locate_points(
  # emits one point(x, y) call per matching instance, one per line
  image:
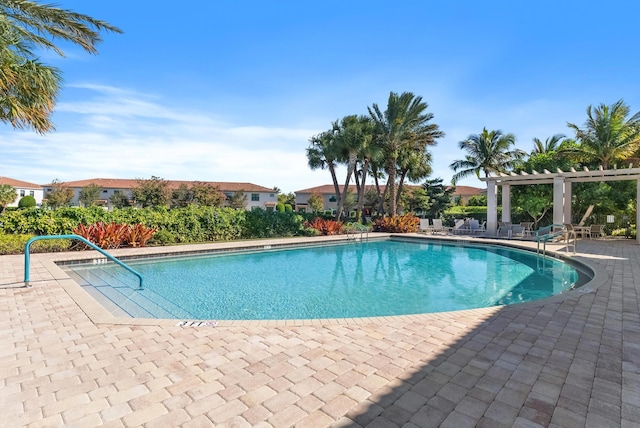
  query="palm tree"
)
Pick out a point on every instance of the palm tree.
point(352, 135)
point(323, 153)
point(608, 135)
point(551, 144)
point(487, 152)
point(28, 88)
point(404, 126)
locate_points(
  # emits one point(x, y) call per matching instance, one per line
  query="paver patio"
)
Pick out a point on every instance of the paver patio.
point(563, 362)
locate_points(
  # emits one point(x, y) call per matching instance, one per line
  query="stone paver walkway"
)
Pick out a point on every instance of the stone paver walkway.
point(568, 362)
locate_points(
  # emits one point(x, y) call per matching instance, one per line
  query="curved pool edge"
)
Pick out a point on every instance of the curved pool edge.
point(100, 315)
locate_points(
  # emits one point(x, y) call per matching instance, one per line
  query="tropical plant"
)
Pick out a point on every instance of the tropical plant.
point(323, 153)
point(407, 223)
point(137, 235)
point(325, 226)
point(487, 152)
point(552, 144)
point(608, 135)
point(352, 136)
point(402, 128)
point(28, 88)
point(89, 194)
point(7, 195)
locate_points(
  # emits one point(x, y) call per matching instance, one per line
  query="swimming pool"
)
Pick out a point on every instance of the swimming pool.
point(348, 280)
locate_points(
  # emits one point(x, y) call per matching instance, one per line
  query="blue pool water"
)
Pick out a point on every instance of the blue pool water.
point(362, 279)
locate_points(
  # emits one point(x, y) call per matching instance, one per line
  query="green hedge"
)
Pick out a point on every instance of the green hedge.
point(14, 244)
point(183, 225)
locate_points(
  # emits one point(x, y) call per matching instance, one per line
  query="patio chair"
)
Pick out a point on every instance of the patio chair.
point(569, 232)
point(597, 230)
point(424, 226)
point(475, 227)
point(504, 228)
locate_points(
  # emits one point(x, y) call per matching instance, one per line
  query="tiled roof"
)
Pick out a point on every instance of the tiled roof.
point(468, 191)
point(19, 183)
point(124, 183)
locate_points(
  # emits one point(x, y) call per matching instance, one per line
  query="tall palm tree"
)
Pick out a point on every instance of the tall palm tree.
point(487, 152)
point(352, 136)
point(608, 135)
point(323, 153)
point(29, 88)
point(403, 126)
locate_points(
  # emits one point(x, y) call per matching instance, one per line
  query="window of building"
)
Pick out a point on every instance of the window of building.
point(32, 193)
point(116, 192)
point(255, 196)
point(332, 198)
point(228, 194)
point(270, 209)
point(271, 195)
point(105, 191)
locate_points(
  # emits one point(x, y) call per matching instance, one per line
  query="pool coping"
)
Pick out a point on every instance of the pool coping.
point(100, 315)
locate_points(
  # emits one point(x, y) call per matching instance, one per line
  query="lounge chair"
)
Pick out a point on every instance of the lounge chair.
point(424, 226)
point(438, 227)
point(459, 227)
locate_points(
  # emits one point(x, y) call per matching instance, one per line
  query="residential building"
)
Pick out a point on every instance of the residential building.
point(256, 196)
point(24, 188)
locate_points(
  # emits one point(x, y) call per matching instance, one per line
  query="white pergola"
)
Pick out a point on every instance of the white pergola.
point(562, 181)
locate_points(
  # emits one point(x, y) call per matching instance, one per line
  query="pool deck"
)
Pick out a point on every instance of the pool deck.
point(567, 361)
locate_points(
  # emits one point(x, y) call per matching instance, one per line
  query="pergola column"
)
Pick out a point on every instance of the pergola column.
point(506, 202)
point(558, 200)
point(568, 187)
point(492, 208)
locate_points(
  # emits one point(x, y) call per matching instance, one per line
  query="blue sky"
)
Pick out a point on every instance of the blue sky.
point(232, 91)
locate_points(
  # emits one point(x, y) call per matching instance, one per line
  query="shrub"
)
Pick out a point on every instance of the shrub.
point(280, 207)
point(288, 208)
point(14, 244)
point(397, 224)
point(325, 227)
point(162, 237)
point(113, 235)
point(27, 202)
point(264, 224)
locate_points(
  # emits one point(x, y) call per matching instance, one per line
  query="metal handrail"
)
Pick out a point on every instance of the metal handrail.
point(360, 228)
point(27, 258)
point(547, 233)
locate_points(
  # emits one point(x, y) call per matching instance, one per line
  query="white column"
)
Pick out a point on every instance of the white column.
point(558, 200)
point(567, 201)
point(492, 208)
point(506, 202)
